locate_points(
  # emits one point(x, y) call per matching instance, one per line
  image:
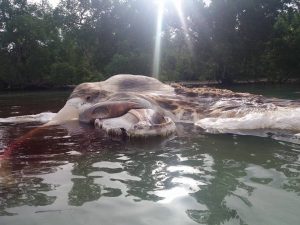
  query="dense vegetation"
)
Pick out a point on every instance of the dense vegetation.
point(86, 40)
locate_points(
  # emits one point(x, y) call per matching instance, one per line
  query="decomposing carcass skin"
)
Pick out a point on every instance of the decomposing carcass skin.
point(141, 106)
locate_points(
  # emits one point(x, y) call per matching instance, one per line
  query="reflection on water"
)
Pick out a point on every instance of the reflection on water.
point(76, 175)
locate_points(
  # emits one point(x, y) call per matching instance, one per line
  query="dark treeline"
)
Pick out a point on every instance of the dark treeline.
point(88, 40)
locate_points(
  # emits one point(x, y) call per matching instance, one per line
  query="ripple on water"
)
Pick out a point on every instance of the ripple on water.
point(205, 179)
point(184, 169)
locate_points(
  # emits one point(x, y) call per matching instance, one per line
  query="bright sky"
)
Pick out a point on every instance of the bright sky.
point(52, 2)
point(55, 2)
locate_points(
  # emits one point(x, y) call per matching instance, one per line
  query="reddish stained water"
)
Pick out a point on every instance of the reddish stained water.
point(76, 175)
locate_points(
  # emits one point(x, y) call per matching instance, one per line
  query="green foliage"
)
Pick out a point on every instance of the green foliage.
point(284, 48)
point(62, 74)
point(90, 40)
point(130, 64)
point(177, 64)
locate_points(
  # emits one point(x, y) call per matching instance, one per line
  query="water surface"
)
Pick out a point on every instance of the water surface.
point(76, 175)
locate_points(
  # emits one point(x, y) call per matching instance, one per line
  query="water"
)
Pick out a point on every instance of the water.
point(74, 175)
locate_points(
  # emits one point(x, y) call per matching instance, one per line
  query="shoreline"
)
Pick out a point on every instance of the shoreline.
point(192, 84)
point(189, 84)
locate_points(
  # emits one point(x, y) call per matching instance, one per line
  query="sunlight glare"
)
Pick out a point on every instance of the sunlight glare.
point(171, 194)
point(178, 6)
point(160, 16)
point(157, 49)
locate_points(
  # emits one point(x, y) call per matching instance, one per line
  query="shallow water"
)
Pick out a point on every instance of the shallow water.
point(75, 175)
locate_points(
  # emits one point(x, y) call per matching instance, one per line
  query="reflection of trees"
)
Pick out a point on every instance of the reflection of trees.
point(25, 191)
point(138, 170)
point(288, 162)
point(220, 173)
point(22, 182)
point(213, 195)
point(83, 190)
point(231, 159)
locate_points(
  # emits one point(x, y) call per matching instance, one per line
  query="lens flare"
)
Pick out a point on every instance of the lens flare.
point(178, 6)
point(160, 16)
point(157, 49)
